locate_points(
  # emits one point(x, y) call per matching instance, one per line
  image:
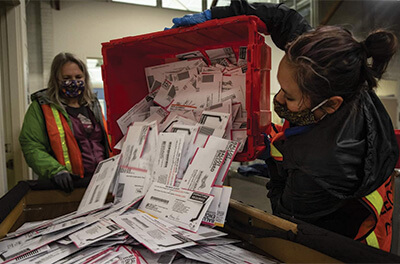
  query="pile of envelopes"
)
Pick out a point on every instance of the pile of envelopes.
point(167, 181)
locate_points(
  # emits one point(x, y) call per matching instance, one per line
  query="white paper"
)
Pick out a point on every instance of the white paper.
point(203, 169)
point(239, 135)
point(231, 147)
point(211, 214)
point(150, 146)
point(242, 59)
point(156, 234)
point(216, 55)
point(190, 55)
point(98, 231)
point(56, 253)
point(189, 147)
point(223, 254)
point(158, 116)
point(183, 208)
point(155, 75)
point(174, 119)
point(132, 184)
point(166, 94)
point(96, 193)
point(215, 120)
point(138, 112)
point(168, 156)
point(161, 258)
point(223, 206)
point(134, 145)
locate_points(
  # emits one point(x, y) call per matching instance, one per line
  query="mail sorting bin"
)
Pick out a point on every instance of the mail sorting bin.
point(125, 59)
point(282, 239)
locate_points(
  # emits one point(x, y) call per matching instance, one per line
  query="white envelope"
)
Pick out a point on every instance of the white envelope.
point(156, 234)
point(231, 147)
point(134, 144)
point(155, 75)
point(211, 214)
point(132, 184)
point(180, 207)
point(203, 169)
point(215, 120)
point(223, 206)
point(138, 112)
point(168, 157)
point(96, 193)
point(98, 231)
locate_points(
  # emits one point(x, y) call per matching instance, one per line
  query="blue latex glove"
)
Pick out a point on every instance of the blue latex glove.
point(192, 19)
point(64, 180)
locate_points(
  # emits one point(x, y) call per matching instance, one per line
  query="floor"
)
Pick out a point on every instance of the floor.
point(249, 189)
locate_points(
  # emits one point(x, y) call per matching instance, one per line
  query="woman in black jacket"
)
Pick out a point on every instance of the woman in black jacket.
point(338, 145)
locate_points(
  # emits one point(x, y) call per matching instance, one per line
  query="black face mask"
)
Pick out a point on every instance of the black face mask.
point(72, 88)
point(301, 118)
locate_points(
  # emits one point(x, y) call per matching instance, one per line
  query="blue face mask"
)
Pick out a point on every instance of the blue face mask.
point(72, 88)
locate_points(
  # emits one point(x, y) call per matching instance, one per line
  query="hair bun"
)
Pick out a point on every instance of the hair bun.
point(381, 45)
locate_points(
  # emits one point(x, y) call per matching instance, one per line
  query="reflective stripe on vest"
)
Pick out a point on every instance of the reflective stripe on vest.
point(62, 137)
point(275, 153)
point(62, 141)
point(376, 200)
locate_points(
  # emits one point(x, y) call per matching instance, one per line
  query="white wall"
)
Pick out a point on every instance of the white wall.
point(276, 56)
point(81, 26)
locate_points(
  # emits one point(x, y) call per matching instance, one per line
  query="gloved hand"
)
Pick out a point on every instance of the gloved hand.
point(192, 19)
point(64, 180)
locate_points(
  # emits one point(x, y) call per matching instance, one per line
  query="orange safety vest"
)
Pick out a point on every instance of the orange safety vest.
point(62, 141)
point(376, 230)
point(277, 133)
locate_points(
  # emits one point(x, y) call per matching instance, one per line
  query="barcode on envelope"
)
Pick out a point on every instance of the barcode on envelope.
point(120, 189)
point(156, 85)
point(94, 193)
point(207, 78)
point(208, 234)
point(183, 76)
point(242, 53)
point(150, 79)
point(140, 222)
point(209, 217)
point(206, 130)
point(158, 199)
point(172, 92)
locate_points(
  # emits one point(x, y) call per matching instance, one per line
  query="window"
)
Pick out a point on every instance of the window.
point(94, 69)
point(187, 5)
point(139, 2)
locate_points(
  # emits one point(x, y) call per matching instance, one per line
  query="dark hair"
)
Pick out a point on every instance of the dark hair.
point(329, 61)
point(53, 90)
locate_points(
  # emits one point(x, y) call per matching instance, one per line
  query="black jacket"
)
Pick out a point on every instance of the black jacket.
point(344, 157)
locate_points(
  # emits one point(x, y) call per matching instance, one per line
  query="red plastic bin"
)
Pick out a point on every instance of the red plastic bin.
point(124, 77)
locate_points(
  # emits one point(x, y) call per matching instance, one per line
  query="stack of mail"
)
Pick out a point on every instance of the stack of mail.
point(150, 220)
point(207, 89)
point(167, 182)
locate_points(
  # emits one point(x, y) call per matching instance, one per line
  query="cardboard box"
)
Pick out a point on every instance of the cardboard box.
point(284, 240)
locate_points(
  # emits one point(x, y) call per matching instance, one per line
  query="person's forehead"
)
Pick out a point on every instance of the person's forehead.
point(70, 68)
point(286, 79)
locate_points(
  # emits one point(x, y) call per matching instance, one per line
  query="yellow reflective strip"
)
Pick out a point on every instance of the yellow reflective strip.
point(275, 152)
point(372, 240)
point(376, 200)
point(62, 136)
